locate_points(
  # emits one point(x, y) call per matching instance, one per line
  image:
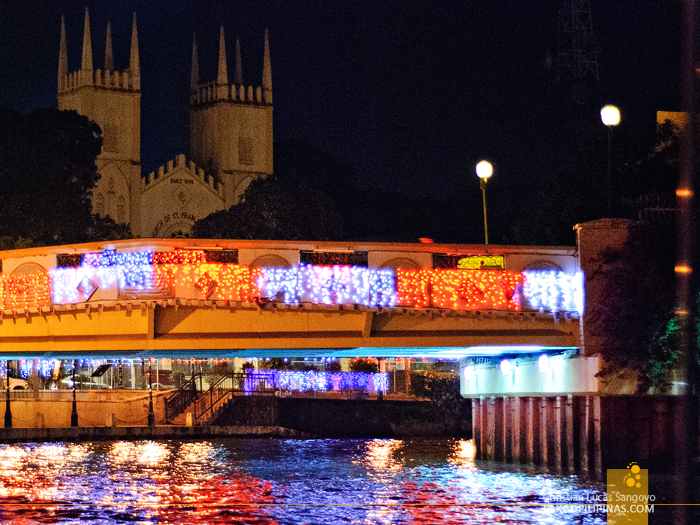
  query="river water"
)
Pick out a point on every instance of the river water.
point(269, 481)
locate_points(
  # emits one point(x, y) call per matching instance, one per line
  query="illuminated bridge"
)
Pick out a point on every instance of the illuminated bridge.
point(181, 297)
point(511, 315)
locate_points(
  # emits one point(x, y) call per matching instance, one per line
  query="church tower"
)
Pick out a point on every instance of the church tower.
point(112, 99)
point(231, 124)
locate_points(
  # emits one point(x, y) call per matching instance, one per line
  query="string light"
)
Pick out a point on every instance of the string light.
point(459, 289)
point(554, 290)
point(186, 274)
point(26, 290)
point(323, 381)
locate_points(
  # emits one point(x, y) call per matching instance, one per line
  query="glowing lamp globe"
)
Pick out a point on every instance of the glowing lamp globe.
point(610, 115)
point(484, 169)
point(505, 367)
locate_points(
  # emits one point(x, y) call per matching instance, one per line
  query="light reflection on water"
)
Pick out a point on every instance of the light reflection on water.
point(269, 481)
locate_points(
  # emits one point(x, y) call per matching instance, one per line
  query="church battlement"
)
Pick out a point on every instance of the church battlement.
point(230, 138)
point(213, 92)
point(176, 164)
point(220, 89)
point(107, 78)
point(99, 79)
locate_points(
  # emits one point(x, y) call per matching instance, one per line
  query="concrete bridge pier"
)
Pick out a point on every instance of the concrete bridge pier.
point(560, 432)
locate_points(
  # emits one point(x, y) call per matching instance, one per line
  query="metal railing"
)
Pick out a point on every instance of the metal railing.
point(250, 384)
point(182, 398)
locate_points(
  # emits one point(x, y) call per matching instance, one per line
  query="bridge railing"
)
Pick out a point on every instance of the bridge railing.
point(182, 398)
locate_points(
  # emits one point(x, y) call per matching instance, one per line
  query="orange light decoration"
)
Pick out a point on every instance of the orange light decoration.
point(413, 287)
point(28, 290)
point(684, 192)
point(683, 268)
point(459, 289)
point(234, 282)
point(179, 257)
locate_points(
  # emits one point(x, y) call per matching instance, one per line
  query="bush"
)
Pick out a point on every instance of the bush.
point(363, 365)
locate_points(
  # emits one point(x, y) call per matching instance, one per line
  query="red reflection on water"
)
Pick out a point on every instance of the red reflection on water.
point(240, 498)
point(47, 484)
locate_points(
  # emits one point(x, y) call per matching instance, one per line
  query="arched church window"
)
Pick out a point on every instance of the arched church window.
point(110, 136)
point(121, 210)
point(100, 205)
point(245, 150)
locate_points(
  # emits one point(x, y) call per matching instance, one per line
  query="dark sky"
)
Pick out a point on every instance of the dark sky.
point(410, 94)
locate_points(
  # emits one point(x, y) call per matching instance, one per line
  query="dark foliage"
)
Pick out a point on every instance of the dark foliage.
point(575, 190)
point(313, 196)
point(272, 209)
point(442, 389)
point(47, 174)
point(634, 314)
point(364, 365)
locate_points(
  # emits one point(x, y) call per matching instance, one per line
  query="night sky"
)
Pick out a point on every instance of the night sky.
point(409, 94)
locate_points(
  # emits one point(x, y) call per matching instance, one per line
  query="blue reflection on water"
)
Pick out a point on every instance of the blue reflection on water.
point(270, 481)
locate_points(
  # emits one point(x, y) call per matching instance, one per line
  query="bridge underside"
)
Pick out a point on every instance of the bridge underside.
point(172, 329)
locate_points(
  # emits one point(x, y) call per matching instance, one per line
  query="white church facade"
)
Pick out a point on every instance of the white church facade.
point(230, 139)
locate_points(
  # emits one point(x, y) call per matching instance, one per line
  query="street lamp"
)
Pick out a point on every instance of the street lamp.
point(74, 410)
point(151, 415)
point(484, 170)
point(8, 409)
point(610, 116)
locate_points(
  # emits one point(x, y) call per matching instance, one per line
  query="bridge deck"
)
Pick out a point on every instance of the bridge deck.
point(277, 330)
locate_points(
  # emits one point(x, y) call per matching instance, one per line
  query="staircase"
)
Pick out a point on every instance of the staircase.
point(208, 417)
point(205, 406)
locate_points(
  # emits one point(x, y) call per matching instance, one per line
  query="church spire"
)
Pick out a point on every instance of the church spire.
point(134, 64)
point(223, 74)
point(194, 79)
point(238, 75)
point(267, 72)
point(109, 59)
point(62, 57)
point(87, 46)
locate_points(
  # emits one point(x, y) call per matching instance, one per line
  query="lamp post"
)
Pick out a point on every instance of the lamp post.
point(74, 410)
point(151, 415)
point(8, 409)
point(610, 116)
point(484, 170)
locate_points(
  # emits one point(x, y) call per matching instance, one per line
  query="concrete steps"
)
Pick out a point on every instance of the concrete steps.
point(210, 416)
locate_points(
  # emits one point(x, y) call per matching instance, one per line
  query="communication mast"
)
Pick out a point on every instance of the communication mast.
point(577, 50)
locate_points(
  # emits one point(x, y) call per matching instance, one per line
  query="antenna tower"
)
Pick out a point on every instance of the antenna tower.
point(577, 53)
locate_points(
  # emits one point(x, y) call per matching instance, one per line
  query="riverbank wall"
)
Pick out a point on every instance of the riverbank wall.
point(112, 413)
point(339, 418)
point(160, 432)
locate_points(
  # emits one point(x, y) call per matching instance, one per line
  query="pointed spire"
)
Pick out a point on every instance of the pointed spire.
point(87, 45)
point(223, 74)
point(134, 64)
point(267, 72)
point(238, 76)
point(109, 59)
point(194, 79)
point(62, 57)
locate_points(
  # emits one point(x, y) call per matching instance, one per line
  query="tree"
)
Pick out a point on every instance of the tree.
point(635, 316)
point(47, 174)
point(313, 196)
point(273, 209)
point(651, 175)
